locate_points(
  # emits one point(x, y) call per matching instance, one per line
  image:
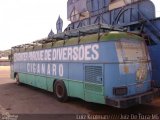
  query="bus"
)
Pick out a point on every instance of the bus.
point(95, 64)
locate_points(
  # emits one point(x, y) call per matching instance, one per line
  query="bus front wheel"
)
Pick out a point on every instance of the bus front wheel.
point(17, 79)
point(60, 91)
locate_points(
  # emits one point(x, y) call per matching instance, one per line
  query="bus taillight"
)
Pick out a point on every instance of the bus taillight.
point(119, 91)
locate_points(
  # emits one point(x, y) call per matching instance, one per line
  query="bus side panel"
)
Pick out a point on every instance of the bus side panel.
point(110, 71)
point(49, 82)
point(76, 89)
point(27, 78)
point(94, 73)
point(23, 78)
point(91, 94)
point(93, 85)
point(40, 82)
point(75, 83)
point(33, 80)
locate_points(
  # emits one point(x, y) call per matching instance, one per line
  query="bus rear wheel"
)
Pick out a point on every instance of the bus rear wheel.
point(60, 91)
point(17, 79)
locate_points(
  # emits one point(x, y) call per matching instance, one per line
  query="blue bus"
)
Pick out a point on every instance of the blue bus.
point(105, 67)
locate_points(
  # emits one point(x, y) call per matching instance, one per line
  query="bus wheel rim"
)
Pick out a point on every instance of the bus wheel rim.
point(59, 91)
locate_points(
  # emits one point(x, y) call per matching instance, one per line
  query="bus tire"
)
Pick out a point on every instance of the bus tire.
point(17, 79)
point(60, 91)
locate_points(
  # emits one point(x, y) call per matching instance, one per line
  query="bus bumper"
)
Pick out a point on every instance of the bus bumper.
point(133, 100)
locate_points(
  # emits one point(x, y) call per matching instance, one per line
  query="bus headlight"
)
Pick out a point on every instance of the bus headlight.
point(119, 91)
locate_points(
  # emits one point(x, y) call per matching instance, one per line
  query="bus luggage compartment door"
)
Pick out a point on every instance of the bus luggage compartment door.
point(93, 84)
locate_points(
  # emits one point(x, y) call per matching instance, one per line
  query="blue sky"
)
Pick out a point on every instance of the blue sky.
point(24, 21)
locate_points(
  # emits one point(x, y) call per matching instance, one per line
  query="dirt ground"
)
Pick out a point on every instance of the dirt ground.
point(25, 103)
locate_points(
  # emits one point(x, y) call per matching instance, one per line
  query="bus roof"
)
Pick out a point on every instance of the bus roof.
point(51, 43)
